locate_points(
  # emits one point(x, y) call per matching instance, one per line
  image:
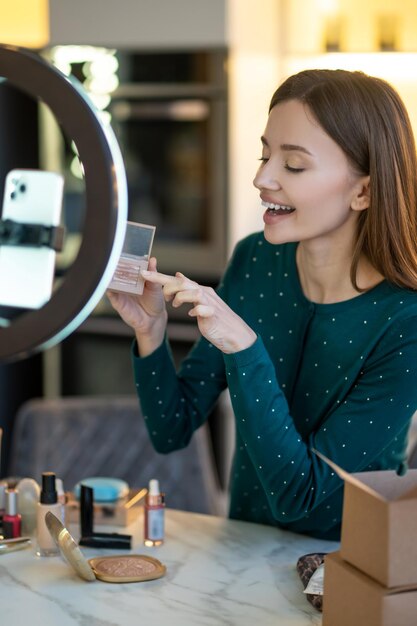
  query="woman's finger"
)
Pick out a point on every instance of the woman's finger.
point(202, 310)
point(152, 264)
point(157, 277)
point(193, 296)
point(179, 281)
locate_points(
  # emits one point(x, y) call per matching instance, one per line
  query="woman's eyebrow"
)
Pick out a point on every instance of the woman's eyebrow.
point(288, 147)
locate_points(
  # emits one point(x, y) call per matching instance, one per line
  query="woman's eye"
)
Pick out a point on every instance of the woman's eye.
point(295, 170)
point(263, 159)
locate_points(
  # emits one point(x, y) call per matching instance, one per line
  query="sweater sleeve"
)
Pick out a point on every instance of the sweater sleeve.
point(364, 430)
point(175, 404)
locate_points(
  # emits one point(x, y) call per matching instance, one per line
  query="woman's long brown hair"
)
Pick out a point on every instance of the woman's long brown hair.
point(366, 117)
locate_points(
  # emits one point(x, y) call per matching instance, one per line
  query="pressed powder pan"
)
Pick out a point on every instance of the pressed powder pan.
point(124, 568)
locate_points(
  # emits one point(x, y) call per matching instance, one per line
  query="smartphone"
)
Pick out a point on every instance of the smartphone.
point(134, 258)
point(27, 272)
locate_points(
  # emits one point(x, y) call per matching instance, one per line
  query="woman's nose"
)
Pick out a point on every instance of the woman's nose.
point(265, 178)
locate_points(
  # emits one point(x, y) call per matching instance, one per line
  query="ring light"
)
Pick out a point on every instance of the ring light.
point(106, 206)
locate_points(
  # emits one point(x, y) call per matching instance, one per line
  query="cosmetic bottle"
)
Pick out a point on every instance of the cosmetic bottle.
point(154, 511)
point(28, 494)
point(62, 498)
point(12, 520)
point(48, 502)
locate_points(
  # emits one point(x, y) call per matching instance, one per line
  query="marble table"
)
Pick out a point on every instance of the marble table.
point(219, 572)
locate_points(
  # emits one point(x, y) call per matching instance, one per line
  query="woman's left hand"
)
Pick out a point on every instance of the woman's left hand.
point(216, 321)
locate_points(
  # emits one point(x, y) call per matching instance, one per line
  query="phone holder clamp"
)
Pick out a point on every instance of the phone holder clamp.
point(36, 235)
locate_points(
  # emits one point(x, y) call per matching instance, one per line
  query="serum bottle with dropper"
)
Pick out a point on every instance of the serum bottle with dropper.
point(48, 502)
point(154, 511)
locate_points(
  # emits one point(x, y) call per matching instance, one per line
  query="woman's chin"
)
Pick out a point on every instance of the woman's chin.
point(275, 236)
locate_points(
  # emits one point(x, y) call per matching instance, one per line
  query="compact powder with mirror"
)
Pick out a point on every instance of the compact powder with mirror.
point(125, 568)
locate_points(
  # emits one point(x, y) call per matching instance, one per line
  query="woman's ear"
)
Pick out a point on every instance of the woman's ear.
point(362, 198)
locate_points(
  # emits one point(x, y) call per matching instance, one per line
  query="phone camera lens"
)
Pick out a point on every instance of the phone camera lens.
point(22, 188)
point(13, 195)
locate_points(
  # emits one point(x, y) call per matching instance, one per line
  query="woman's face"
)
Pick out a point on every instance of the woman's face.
point(306, 183)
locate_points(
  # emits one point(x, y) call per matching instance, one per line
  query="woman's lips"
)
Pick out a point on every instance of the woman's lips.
point(273, 217)
point(276, 212)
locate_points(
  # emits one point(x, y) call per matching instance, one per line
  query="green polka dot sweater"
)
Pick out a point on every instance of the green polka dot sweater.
point(341, 378)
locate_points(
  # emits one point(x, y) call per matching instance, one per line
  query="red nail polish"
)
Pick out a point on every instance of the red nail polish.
point(12, 520)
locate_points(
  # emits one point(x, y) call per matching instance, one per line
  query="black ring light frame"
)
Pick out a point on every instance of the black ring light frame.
point(106, 206)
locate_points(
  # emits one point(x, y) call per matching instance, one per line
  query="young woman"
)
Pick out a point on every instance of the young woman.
point(314, 326)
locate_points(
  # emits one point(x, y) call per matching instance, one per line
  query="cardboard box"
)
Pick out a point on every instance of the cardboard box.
point(379, 524)
point(350, 598)
point(120, 513)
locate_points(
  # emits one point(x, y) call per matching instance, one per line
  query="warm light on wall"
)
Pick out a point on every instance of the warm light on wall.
point(392, 66)
point(398, 68)
point(24, 23)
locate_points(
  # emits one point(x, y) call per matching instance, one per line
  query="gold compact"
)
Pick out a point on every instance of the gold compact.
point(124, 568)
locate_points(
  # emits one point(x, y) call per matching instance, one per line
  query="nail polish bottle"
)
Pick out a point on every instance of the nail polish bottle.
point(154, 511)
point(12, 520)
point(48, 502)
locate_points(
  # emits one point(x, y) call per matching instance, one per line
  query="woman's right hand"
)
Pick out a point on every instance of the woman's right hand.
point(146, 314)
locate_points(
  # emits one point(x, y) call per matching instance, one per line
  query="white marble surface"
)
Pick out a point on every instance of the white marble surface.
point(219, 573)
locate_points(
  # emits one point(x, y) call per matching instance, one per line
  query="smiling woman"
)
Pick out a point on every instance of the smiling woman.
point(315, 192)
point(314, 326)
point(311, 175)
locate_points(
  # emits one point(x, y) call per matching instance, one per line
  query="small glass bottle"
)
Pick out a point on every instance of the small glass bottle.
point(12, 520)
point(62, 499)
point(27, 501)
point(48, 502)
point(154, 510)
